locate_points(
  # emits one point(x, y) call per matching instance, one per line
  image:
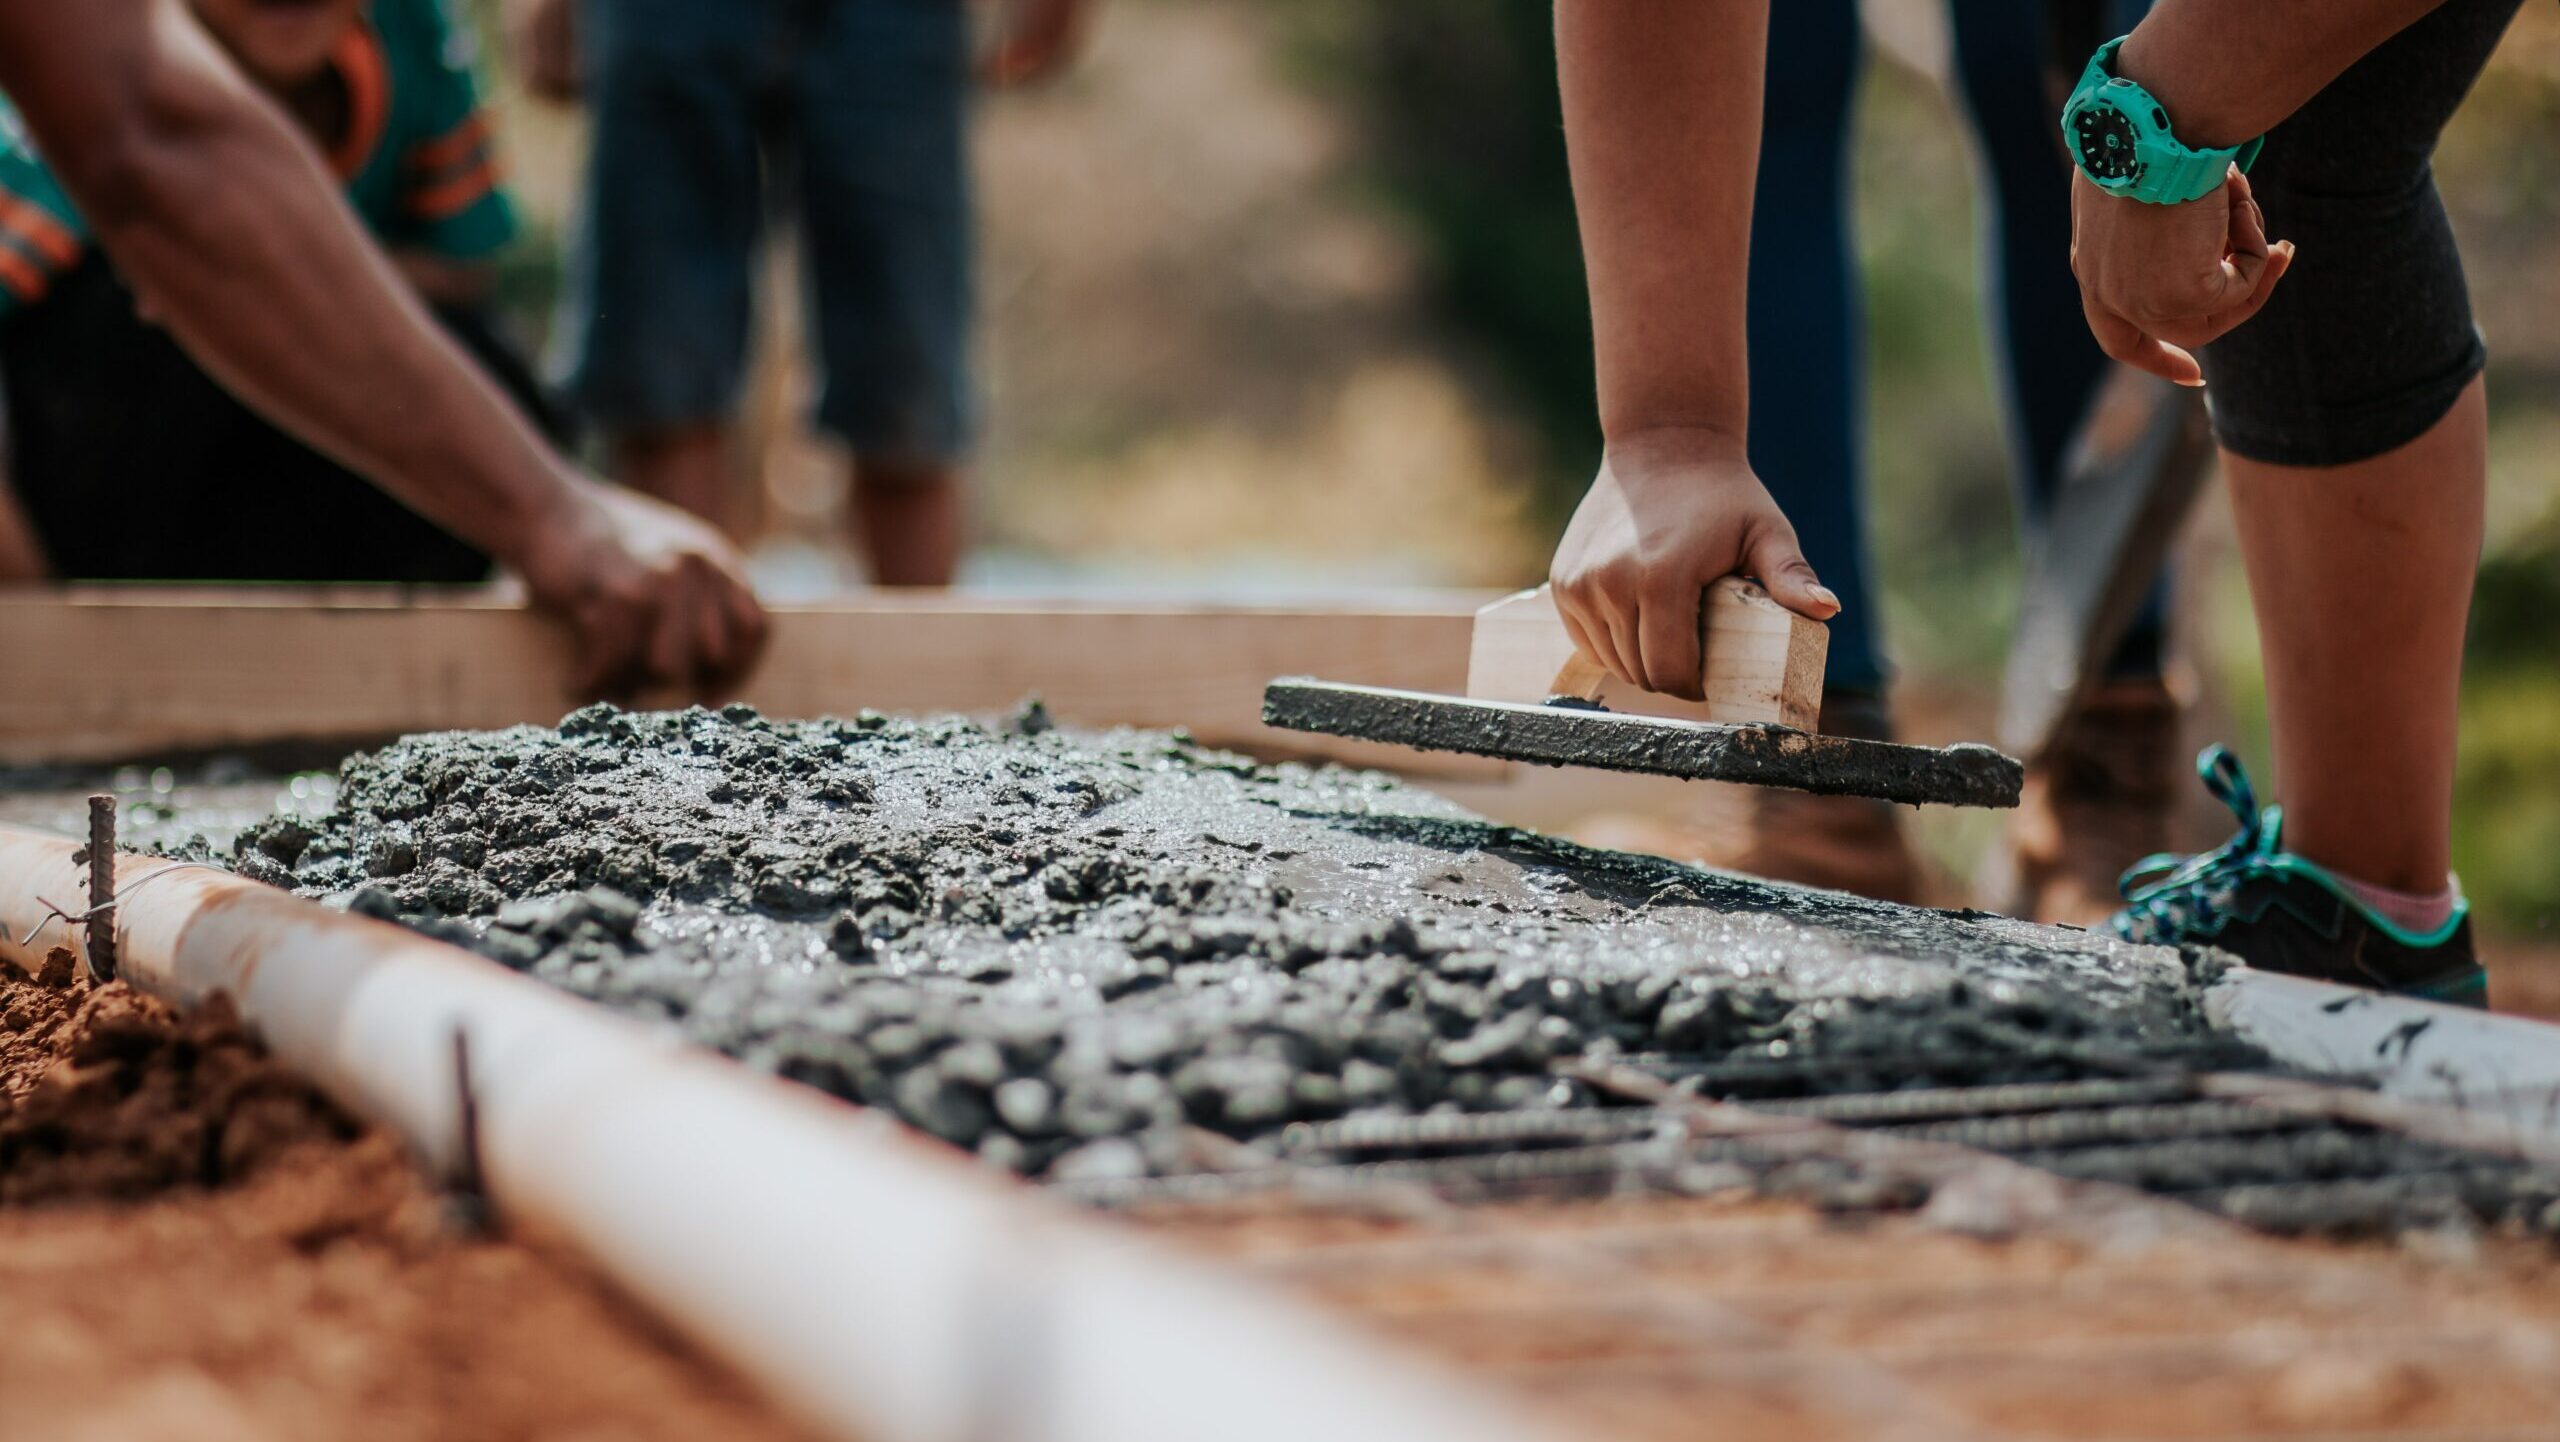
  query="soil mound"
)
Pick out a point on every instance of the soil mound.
point(210, 1249)
point(108, 1093)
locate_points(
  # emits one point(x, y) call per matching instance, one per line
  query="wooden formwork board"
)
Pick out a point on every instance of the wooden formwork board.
point(102, 673)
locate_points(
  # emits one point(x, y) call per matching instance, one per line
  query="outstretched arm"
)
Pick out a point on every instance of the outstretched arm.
point(232, 236)
point(1662, 122)
point(2156, 281)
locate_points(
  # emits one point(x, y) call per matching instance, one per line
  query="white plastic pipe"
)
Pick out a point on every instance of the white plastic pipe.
point(2496, 1071)
point(878, 1284)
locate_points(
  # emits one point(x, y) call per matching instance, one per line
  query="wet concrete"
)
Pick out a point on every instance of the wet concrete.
point(1573, 733)
point(1075, 952)
point(162, 804)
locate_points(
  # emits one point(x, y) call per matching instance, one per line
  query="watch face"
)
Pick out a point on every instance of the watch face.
point(2104, 137)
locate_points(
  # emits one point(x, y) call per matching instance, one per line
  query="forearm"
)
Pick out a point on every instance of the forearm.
point(2229, 73)
point(1662, 122)
point(234, 238)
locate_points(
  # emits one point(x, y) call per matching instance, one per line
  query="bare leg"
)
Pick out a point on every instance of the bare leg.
point(686, 467)
point(910, 519)
point(2361, 576)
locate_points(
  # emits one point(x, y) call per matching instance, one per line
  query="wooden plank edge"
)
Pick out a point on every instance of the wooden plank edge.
point(196, 671)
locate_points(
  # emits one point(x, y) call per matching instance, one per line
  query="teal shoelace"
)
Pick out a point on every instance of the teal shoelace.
point(2171, 898)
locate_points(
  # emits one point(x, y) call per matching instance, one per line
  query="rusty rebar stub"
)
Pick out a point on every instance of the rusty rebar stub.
point(101, 855)
point(467, 1204)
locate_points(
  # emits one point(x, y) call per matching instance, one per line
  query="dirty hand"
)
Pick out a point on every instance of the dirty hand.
point(1670, 512)
point(656, 597)
point(545, 37)
point(1036, 39)
point(2156, 281)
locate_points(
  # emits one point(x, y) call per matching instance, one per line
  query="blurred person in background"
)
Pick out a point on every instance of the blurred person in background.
point(849, 116)
point(225, 222)
point(110, 421)
point(2102, 797)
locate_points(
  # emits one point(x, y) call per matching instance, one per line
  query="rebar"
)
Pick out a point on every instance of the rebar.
point(2322, 1155)
point(1476, 1130)
point(2051, 1131)
point(101, 855)
point(2365, 1205)
point(1962, 1103)
point(1659, 1164)
point(468, 1197)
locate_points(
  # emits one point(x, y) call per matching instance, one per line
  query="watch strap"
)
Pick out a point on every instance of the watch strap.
point(2174, 172)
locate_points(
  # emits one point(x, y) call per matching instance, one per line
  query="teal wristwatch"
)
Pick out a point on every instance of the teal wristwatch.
point(2120, 138)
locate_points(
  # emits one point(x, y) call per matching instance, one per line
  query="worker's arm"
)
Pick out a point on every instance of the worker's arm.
point(2230, 73)
point(2156, 281)
point(1662, 122)
point(232, 236)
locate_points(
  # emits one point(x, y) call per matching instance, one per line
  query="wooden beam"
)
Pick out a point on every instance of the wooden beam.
point(1763, 661)
point(105, 673)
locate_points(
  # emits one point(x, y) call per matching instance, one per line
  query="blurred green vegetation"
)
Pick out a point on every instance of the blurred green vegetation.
point(2507, 787)
point(1458, 106)
point(1456, 100)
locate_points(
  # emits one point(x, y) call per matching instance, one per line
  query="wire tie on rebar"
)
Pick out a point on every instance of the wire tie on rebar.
point(55, 913)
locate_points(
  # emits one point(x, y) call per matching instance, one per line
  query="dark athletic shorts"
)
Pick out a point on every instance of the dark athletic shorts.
point(2369, 339)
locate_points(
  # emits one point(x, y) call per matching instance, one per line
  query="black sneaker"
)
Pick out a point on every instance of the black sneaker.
point(2278, 912)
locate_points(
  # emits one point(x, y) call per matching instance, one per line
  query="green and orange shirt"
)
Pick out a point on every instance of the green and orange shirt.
point(418, 154)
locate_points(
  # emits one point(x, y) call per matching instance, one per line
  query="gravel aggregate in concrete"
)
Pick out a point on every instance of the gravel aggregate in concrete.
point(1068, 950)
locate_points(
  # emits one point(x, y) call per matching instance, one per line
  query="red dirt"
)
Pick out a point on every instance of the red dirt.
point(195, 1244)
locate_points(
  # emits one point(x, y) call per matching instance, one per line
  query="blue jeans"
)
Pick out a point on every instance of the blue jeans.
point(1808, 397)
point(712, 114)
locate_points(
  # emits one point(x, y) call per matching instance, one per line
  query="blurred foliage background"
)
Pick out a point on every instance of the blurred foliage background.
point(1284, 296)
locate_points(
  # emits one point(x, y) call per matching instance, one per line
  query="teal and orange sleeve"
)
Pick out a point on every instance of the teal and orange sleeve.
point(454, 199)
point(41, 235)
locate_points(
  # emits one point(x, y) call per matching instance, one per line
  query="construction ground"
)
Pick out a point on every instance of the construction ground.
point(1118, 1069)
point(1359, 1111)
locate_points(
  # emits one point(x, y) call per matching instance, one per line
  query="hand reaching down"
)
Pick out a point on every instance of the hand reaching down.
point(655, 596)
point(1670, 512)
